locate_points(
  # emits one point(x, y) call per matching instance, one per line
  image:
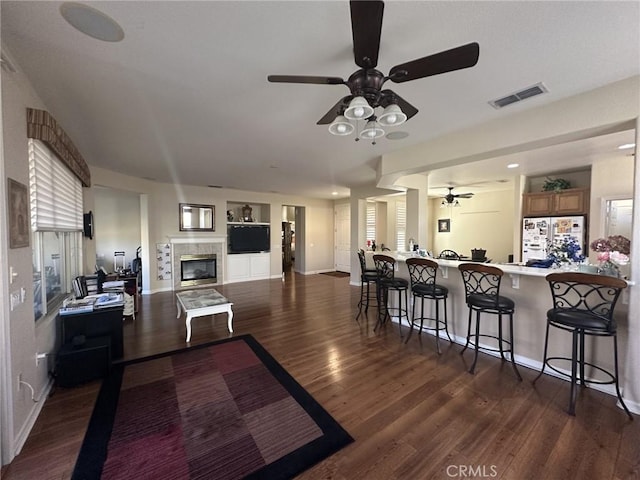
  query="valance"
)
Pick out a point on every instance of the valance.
point(42, 126)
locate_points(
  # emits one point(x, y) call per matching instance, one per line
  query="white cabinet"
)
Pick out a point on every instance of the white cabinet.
point(249, 266)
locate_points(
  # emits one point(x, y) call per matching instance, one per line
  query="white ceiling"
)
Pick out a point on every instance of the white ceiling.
point(184, 97)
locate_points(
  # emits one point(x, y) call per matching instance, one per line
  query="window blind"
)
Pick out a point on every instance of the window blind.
point(371, 221)
point(401, 226)
point(56, 193)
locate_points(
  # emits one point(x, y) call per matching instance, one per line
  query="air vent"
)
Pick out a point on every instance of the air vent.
point(523, 94)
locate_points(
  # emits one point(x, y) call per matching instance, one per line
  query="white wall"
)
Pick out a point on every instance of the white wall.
point(485, 221)
point(162, 221)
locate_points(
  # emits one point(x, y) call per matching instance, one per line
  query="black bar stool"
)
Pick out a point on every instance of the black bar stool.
point(482, 293)
point(387, 282)
point(583, 305)
point(422, 272)
point(368, 277)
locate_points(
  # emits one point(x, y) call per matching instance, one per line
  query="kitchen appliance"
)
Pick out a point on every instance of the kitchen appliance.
point(538, 232)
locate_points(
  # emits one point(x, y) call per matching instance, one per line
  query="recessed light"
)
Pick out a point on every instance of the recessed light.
point(513, 165)
point(91, 22)
point(626, 145)
point(334, 193)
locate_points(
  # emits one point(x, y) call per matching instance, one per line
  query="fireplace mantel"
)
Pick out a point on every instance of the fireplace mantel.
point(198, 239)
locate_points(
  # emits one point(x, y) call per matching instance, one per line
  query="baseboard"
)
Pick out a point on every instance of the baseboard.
point(23, 434)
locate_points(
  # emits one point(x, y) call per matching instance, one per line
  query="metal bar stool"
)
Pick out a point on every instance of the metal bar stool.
point(368, 277)
point(387, 282)
point(482, 294)
point(422, 272)
point(583, 305)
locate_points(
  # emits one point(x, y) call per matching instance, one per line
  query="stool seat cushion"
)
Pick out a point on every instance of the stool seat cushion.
point(581, 319)
point(368, 276)
point(489, 301)
point(394, 283)
point(429, 290)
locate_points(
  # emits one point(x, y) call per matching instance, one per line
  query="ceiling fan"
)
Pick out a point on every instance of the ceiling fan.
point(365, 85)
point(451, 199)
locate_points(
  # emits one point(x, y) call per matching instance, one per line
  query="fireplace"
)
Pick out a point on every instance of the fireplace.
point(197, 269)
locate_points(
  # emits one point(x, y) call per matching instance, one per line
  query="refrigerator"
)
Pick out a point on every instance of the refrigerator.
point(538, 232)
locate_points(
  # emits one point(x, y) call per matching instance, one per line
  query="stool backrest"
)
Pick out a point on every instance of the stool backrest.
point(449, 255)
point(585, 292)
point(481, 279)
point(385, 266)
point(422, 271)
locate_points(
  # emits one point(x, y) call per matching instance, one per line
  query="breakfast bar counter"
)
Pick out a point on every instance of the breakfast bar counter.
point(527, 287)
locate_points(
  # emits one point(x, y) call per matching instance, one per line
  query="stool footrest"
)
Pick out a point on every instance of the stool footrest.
point(586, 364)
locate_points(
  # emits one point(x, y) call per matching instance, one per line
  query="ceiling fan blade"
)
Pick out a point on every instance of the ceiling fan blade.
point(457, 58)
point(331, 115)
point(464, 195)
point(366, 25)
point(408, 109)
point(305, 79)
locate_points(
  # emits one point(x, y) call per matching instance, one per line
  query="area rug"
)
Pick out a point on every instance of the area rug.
point(226, 410)
point(337, 274)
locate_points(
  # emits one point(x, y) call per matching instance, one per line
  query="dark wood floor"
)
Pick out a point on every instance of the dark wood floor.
point(413, 414)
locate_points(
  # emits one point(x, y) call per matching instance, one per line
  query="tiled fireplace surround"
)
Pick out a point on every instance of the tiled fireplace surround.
point(197, 246)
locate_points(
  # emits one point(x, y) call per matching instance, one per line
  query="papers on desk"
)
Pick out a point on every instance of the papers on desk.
point(114, 286)
point(91, 303)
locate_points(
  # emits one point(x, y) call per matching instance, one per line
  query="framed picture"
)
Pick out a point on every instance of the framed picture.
point(444, 225)
point(18, 214)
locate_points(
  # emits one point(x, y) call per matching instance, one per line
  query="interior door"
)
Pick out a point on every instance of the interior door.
point(342, 238)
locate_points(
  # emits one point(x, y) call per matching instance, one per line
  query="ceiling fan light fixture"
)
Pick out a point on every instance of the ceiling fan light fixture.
point(341, 126)
point(456, 203)
point(358, 109)
point(392, 116)
point(371, 131)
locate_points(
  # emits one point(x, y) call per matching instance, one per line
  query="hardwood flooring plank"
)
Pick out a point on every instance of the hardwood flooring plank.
point(413, 413)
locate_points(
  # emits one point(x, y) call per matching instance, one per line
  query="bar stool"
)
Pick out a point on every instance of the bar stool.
point(583, 304)
point(368, 277)
point(422, 272)
point(482, 295)
point(387, 282)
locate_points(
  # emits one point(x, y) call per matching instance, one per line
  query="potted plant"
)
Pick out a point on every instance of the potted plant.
point(555, 184)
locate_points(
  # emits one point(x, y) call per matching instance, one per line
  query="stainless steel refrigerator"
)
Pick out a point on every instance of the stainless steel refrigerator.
point(538, 232)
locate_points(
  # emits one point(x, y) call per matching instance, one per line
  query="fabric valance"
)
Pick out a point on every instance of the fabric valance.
point(42, 126)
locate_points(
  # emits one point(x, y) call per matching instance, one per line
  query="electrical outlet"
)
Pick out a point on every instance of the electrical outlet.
point(19, 381)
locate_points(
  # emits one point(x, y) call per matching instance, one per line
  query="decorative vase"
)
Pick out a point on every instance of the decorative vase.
point(609, 269)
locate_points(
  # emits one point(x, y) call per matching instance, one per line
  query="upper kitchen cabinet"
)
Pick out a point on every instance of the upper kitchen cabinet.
point(572, 201)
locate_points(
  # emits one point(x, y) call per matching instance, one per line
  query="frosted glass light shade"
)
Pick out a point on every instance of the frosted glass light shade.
point(392, 116)
point(358, 109)
point(371, 130)
point(341, 126)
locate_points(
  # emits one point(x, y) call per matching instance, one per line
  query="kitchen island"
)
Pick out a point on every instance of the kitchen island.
point(527, 287)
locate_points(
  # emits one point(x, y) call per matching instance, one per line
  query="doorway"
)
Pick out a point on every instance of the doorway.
point(292, 238)
point(342, 238)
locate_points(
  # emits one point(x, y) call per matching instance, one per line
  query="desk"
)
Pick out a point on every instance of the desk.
point(198, 303)
point(130, 283)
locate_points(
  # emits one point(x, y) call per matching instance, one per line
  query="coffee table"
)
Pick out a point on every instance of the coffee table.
point(198, 303)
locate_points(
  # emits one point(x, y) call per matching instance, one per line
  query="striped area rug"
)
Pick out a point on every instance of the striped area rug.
point(220, 411)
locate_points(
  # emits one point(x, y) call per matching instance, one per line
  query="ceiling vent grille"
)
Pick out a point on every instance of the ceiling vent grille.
point(523, 94)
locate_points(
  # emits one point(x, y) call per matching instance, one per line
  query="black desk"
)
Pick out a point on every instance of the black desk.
point(99, 323)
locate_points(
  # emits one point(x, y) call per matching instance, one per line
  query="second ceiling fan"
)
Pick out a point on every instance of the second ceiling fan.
point(365, 85)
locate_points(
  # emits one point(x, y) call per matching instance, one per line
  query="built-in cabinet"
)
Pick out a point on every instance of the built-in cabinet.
point(240, 211)
point(573, 201)
point(248, 266)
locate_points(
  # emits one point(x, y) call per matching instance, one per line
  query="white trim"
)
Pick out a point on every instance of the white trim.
point(24, 432)
point(197, 239)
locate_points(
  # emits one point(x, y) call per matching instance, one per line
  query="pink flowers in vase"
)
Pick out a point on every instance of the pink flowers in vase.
point(614, 249)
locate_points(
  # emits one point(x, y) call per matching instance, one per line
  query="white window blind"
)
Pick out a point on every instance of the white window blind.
point(371, 221)
point(401, 226)
point(56, 193)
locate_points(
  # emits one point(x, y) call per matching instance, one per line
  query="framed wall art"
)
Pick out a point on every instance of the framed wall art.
point(18, 214)
point(444, 225)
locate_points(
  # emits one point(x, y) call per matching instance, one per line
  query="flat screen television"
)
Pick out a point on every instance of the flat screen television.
point(249, 238)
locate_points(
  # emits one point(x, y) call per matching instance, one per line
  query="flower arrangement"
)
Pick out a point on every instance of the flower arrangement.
point(613, 251)
point(565, 251)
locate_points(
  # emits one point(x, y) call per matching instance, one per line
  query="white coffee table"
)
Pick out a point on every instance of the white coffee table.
point(198, 303)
